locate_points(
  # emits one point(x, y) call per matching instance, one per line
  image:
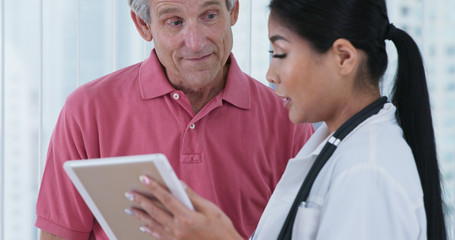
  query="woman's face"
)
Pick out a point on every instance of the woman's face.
point(302, 76)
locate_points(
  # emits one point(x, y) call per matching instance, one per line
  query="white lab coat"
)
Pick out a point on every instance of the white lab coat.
point(369, 188)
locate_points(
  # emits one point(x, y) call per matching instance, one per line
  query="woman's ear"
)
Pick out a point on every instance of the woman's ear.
point(346, 56)
point(142, 27)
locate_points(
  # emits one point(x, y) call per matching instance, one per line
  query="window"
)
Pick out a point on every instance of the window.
point(404, 11)
point(449, 122)
point(450, 51)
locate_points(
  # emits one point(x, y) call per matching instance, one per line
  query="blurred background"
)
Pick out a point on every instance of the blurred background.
point(50, 47)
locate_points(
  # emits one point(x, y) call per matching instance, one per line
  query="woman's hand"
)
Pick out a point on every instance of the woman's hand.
point(175, 221)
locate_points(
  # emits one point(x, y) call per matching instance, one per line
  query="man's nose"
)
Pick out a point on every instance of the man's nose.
point(195, 38)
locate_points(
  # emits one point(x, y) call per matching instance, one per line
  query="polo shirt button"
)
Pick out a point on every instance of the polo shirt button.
point(192, 126)
point(176, 96)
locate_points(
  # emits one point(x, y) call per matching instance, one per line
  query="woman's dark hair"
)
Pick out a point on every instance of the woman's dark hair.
point(366, 25)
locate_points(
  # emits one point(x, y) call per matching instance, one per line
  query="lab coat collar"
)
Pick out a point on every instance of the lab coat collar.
point(315, 144)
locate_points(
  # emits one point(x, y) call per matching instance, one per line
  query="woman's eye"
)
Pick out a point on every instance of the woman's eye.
point(277, 55)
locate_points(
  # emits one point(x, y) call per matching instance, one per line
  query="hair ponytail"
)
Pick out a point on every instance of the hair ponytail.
point(410, 96)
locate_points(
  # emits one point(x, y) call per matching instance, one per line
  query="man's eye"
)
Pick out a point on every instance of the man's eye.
point(210, 16)
point(176, 23)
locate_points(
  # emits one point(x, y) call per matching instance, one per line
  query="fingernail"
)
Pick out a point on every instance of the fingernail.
point(184, 185)
point(144, 179)
point(143, 229)
point(130, 196)
point(129, 211)
point(155, 235)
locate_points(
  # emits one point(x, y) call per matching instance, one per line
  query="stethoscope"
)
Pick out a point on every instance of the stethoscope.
point(321, 160)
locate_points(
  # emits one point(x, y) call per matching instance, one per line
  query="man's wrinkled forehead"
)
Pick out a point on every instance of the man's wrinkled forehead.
point(199, 3)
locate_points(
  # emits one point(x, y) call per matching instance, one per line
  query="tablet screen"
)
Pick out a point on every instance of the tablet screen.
point(103, 182)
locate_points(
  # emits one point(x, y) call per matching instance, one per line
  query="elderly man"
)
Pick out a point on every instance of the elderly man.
point(226, 135)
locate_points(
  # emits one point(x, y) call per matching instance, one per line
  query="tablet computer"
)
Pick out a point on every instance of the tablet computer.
point(103, 182)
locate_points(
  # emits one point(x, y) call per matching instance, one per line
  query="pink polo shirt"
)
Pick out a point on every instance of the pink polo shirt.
point(232, 152)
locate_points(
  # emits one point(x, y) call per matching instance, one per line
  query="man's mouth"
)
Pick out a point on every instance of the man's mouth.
point(198, 58)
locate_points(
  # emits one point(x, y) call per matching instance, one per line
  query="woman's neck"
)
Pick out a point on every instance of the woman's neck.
point(348, 107)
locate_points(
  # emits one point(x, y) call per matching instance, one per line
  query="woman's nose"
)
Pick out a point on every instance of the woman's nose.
point(271, 75)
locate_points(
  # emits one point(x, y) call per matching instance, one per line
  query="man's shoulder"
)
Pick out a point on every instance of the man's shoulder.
point(259, 85)
point(110, 85)
point(262, 93)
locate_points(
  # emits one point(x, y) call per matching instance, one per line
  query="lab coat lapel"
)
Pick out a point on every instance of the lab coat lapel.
point(298, 167)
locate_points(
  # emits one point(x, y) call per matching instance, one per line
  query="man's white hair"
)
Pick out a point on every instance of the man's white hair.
point(141, 8)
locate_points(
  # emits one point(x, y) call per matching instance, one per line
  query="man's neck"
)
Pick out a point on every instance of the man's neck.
point(199, 96)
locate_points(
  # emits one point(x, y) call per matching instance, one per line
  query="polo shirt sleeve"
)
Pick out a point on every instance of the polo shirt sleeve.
point(60, 209)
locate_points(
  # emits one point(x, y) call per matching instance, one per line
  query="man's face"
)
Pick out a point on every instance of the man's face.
point(193, 39)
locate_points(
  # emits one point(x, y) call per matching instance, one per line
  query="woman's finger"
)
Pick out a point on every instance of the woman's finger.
point(154, 211)
point(142, 216)
point(165, 197)
point(207, 222)
point(200, 204)
point(151, 230)
point(151, 227)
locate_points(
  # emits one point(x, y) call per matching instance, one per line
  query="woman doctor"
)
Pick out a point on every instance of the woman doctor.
point(369, 172)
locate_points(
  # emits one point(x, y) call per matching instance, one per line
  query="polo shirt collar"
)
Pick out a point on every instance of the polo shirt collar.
point(237, 88)
point(153, 82)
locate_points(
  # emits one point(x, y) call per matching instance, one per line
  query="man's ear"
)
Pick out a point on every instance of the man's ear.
point(235, 13)
point(142, 27)
point(346, 56)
